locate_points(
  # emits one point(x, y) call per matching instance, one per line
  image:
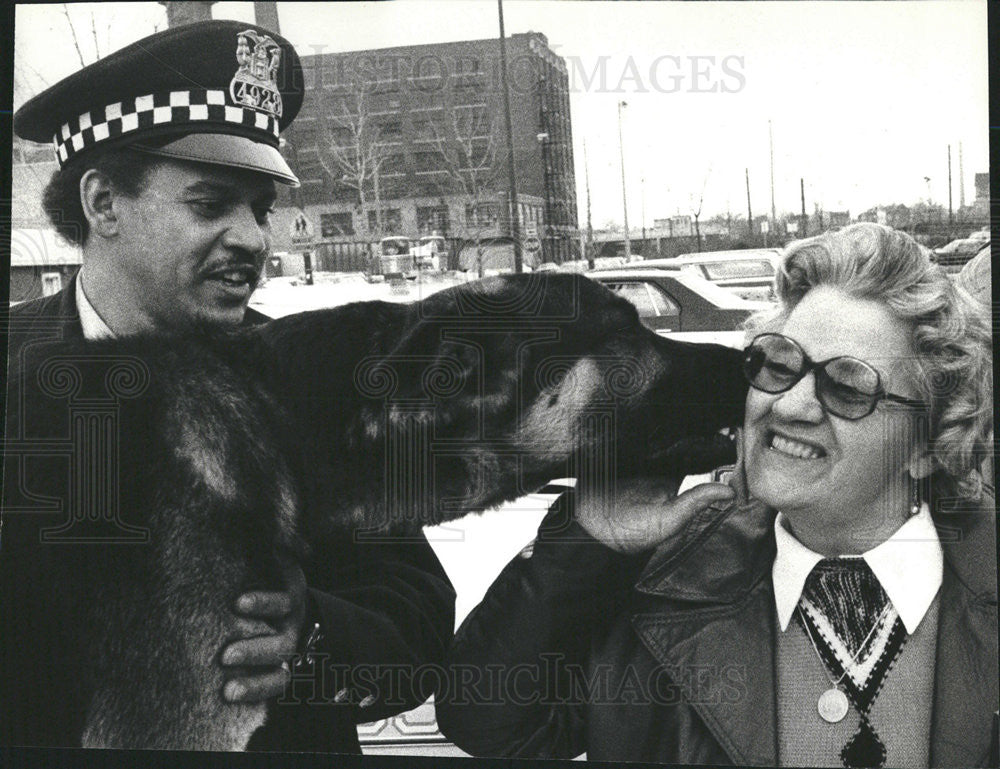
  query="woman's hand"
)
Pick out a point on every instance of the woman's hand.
point(645, 513)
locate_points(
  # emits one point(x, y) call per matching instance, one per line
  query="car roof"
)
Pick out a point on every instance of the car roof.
point(720, 297)
point(727, 256)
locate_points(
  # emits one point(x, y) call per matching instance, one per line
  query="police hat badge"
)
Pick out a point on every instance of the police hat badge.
point(215, 92)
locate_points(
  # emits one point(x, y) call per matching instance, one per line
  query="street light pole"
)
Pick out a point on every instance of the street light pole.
point(543, 140)
point(770, 143)
point(951, 213)
point(642, 248)
point(589, 251)
point(621, 150)
point(515, 221)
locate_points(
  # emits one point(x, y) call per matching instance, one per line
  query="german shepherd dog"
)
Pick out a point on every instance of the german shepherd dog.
point(179, 472)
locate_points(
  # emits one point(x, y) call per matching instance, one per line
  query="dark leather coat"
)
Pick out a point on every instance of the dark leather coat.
point(385, 604)
point(673, 660)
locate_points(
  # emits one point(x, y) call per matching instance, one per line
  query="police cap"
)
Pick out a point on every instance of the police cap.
point(213, 92)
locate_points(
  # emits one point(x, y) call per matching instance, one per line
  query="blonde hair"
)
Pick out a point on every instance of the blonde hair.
point(950, 334)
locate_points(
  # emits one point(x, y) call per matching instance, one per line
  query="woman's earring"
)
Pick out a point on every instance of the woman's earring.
point(914, 496)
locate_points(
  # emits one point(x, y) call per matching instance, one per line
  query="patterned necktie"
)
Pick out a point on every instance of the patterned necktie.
point(858, 635)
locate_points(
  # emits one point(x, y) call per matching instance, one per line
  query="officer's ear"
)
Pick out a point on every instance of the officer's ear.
point(97, 198)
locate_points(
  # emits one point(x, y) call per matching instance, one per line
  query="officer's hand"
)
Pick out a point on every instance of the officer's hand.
point(645, 513)
point(257, 667)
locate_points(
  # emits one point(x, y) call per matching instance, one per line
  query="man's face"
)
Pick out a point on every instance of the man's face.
point(192, 244)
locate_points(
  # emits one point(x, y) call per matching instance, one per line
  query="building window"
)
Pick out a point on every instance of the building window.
point(481, 214)
point(392, 189)
point(332, 75)
point(339, 136)
point(426, 189)
point(386, 102)
point(390, 131)
point(427, 102)
point(473, 122)
point(432, 218)
point(468, 95)
point(393, 164)
point(426, 130)
point(342, 193)
point(392, 221)
point(333, 225)
point(428, 161)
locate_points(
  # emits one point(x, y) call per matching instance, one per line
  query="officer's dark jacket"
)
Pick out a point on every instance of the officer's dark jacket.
point(382, 604)
point(673, 659)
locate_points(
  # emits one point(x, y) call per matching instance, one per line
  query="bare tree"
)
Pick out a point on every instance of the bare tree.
point(467, 146)
point(697, 213)
point(352, 152)
point(76, 40)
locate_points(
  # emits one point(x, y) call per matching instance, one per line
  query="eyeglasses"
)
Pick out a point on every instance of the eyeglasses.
point(846, 387)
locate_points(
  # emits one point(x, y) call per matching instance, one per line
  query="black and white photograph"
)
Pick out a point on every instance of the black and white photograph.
point(529, 379)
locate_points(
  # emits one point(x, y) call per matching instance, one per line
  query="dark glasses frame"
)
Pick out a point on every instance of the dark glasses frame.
point(808, 364)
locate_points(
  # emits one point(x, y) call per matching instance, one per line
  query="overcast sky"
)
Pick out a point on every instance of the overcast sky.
point(864, 98)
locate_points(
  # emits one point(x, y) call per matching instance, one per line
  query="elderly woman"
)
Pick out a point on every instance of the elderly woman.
point(833, 605)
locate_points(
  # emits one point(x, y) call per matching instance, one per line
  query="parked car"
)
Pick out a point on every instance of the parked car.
point(680, 304)
point(975, 276)
point(430, 252)
point(955, 254)
point(748, 273)
point(395, 259)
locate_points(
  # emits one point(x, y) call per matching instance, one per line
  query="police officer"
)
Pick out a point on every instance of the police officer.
point(168, 164)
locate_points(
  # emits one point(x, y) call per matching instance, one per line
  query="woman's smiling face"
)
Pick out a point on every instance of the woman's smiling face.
point(842, 484)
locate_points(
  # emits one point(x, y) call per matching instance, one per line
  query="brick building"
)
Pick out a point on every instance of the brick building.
point(411, 141)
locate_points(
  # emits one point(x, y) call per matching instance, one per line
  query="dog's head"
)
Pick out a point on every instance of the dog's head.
point(526, 378)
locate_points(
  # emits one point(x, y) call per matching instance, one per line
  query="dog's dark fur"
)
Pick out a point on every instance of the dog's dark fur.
point(235, 451)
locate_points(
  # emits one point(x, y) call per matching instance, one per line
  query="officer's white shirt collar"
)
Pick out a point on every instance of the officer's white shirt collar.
point(909, 566)
point(93, 324)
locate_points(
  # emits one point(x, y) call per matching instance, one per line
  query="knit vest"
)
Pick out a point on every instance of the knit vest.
point(901, 713)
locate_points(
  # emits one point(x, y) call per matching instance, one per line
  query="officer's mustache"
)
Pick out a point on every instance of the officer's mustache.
point(247, 267)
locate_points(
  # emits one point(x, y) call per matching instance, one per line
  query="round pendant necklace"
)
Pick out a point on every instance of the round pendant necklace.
point(833, 704)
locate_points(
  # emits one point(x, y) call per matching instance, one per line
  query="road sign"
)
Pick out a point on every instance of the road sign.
point(302, 230)
point(532, 244)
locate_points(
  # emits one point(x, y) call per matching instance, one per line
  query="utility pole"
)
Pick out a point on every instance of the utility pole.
point(770, 141)
point(621, 150)
point(642, 248)
point(951, 213)
point(749, 211)
point(515, 220)
point(589, 253)
point(961, 181)
point(805, 220)
point(181, 12)
point(266, 15)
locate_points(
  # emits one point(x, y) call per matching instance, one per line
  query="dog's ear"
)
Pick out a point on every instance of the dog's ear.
point(466, 346)
point(432, 364)
point(470, 346)
point(440, 365)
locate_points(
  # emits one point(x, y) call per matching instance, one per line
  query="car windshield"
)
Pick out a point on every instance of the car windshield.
point(742, 268)
point(962, 246)
point(720, 297)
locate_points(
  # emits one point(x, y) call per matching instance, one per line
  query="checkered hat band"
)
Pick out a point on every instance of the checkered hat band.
point(145, 112)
